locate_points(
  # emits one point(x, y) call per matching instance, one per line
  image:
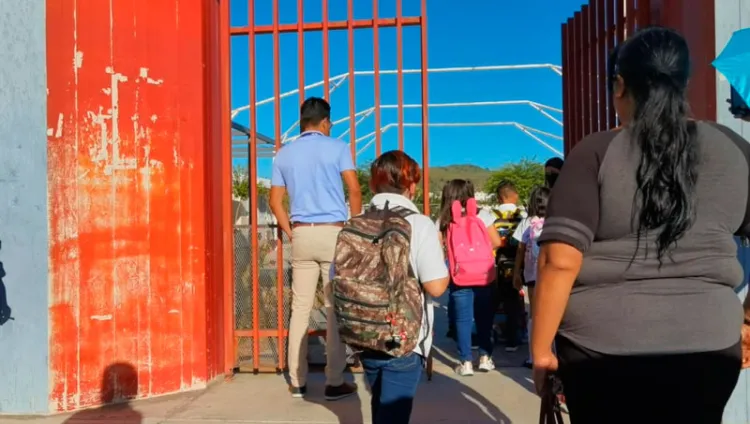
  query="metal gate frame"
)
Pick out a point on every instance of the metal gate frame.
point(267, 150)
point(587, 39)
point(325, 26)
point(599, 26)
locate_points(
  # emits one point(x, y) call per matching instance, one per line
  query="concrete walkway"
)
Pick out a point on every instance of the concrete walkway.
point(502, 396)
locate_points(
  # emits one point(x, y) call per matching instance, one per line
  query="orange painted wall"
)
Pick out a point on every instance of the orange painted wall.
point(129, 118)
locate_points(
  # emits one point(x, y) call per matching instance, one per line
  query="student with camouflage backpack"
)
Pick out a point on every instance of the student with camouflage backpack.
point(388, 266)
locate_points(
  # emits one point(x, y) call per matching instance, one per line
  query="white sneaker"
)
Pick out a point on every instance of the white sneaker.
point(486, 363)
point(465, 369)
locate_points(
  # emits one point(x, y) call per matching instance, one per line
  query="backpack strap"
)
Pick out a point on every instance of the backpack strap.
point(456, 212)
point(402, 211)
point(471, 207)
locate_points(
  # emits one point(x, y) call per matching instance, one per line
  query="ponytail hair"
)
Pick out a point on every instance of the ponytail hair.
point(654, 67)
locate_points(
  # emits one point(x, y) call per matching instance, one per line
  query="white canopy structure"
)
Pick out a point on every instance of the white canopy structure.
point(266, 144)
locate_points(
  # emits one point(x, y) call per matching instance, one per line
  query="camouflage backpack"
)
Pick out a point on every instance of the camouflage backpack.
point(377, 299)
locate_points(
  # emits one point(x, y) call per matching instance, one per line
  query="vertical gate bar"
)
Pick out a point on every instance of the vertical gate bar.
point(579, 78)
point(226, 190)
point(326, 54)
point(571, 112)
point(301, 48)
point(565, 91)
point(593, 76)
point(630, 16)
point(376, 74)
point(576, 80)
point(253, 181)
point(601, 47)
point(619, 34)
point(400, 71)
point(568, 112)
point(586, 87)
point(352, 98)
point(619, 22)
point(611, 30)
point(572, 87)
point(279, 233)
point(425, 113)
point(643, 13)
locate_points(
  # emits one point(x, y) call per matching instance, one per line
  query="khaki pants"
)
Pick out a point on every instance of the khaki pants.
point(312, 253)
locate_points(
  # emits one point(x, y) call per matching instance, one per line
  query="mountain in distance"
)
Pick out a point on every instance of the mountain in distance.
point(439, 175)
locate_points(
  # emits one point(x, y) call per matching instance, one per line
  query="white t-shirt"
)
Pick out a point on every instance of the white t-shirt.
point(530, 260)
point(521, 229)
point(426, 259)
point(523, 225)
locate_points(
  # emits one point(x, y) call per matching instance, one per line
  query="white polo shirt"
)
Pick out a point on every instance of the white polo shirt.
point(426, 257)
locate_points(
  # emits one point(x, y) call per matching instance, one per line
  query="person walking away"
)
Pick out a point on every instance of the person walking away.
point(388, 266)
point(552, 169)
point(644, 308)
point(470, 237)
point(311, 169)
point(528, 251)
point(509, 216)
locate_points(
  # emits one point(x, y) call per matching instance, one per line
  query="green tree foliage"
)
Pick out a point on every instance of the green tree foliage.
point(240, 183)
point(525, 175)
point(363, 176)
point(241, 186)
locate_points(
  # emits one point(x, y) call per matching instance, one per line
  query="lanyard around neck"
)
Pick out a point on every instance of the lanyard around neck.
point(307, 133)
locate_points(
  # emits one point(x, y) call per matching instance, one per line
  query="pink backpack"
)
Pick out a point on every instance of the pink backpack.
point(469, 248)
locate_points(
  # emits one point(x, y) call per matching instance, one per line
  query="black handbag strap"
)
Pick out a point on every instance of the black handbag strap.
point(549, 411)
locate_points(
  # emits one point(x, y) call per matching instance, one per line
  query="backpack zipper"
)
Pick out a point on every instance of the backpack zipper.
point(362, 320)
point(374, 237)
point(359, 233)
point(359, 302)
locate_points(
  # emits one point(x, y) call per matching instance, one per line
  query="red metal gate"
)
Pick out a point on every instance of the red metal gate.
point(256, 308)
point(587, 39)
point(593, 32)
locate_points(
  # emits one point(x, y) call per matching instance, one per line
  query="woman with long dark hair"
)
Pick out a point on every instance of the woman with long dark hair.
point(638, 262)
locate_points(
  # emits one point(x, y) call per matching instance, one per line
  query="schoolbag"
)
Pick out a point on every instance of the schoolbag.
point(506, 223)
point(535, 230)
point(376, 296)
point(470, 256)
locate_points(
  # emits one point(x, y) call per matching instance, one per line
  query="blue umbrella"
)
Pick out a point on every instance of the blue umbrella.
point(734, 63)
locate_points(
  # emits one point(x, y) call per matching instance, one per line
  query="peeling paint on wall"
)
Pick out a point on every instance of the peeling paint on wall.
point(126, 130)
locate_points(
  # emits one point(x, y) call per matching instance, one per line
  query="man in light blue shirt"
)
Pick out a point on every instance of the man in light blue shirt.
point(313, 170)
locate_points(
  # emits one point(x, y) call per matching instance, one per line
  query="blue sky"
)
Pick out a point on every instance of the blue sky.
point(478, 33)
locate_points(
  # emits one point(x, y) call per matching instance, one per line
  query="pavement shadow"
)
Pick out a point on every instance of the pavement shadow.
point(509, 364)
point(520, 376)
point(347, 410)
point(447, 399)
point(119, 387)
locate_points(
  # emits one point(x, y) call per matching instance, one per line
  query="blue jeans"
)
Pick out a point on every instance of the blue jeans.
point(473, 305)
point(393, 382)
